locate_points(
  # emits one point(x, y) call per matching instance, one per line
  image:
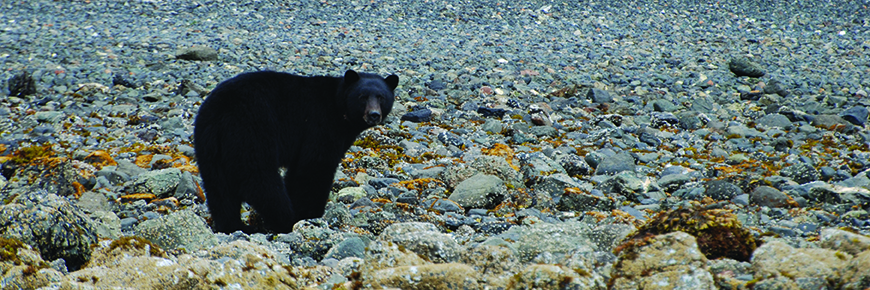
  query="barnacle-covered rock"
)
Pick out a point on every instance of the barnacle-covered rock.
point(51, 224)
point(718, 232)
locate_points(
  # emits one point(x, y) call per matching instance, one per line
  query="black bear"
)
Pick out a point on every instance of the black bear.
point(255, 125)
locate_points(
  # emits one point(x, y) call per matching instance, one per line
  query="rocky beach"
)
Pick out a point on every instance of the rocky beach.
point(532, 145)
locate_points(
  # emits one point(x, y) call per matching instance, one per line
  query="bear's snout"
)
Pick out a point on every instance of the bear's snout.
point(373, 111)
point(373, 117)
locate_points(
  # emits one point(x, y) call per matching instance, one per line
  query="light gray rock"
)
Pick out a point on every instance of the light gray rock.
point(479, 191)
point(180, 230)
point(425, 240)
point(668, 261)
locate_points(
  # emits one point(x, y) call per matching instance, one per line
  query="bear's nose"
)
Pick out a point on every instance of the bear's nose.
point(374, 115)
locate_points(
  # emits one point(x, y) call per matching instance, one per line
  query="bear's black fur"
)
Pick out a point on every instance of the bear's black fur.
point(253, 125)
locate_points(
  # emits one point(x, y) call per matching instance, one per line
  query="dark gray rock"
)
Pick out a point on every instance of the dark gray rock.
point(599, 96)
point(722, 190)
point(418, 115)
point(743, 66)
point(197, 53)
point(352, 247)
point(856, 115)
point(379, 183)
point(769, 197)
point(615, 164)
point(800, 173)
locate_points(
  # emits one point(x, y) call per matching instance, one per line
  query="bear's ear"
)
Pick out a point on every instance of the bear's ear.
point(392, 81)
point(350, 76)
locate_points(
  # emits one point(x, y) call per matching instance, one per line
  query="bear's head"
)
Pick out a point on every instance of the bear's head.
point(367, 97)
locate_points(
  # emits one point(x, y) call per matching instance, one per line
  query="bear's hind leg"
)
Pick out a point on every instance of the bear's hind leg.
point(224, 209)
point(268, 197)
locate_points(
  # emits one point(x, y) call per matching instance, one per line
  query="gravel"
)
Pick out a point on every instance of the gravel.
point(520, 130)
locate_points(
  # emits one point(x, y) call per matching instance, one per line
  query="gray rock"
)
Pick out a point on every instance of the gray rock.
point(197, 53)
point(114, 176)
point(179, 230)
point(828, 121)
point(807, 268)
point(418, 115)
point(620, 162)
point(492, 126)
point(186, 188)
point(599, 96)
point(129, 168)
point(556, 239)
point(50, 224)
point(542, 131)
point(775, 120)
point(769, 197)
point(626, 184)
point(554, 185)
point(722, 190)
point(49, 116)
point(337, 214)
point(658, 119)
point(479, 191)
point(840, 240)
point(691, 120)
point(856, 115)
point(574, 165)
point(743, 66)
point(800, 173)
point(573, 200)
point(498, 166)
point(412, 149)
point(161, 182)
point(444, 206)
point(423, 239)
point(107, 224)
point(379, 183)
point(672, 182)
point(352, 247)
point(536, 165)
